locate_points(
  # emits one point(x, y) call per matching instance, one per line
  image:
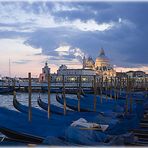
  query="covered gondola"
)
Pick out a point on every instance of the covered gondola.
point(87, 107)
point(6, 90)
point(20, 136)
point(123, 94)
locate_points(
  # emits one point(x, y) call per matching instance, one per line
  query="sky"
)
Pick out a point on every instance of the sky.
point(32, 33)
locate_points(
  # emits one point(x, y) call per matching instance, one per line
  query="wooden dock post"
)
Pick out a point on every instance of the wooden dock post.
point(120, 86)
point(146, 87)
point(130, 91)
point(117, 88)
point(106, 87)
point(97, 86)
point(49, 79)
point(29, 101)
point(78, 96)
point(101, 85)
point(14, 84)
point(127, 94)
point(115, 91)
point(64, 95)
point(111, 81)
point(79, 93)
point(95, 94)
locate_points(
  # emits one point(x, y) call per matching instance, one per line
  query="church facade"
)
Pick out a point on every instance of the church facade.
point(44, 75)
point(101, 67)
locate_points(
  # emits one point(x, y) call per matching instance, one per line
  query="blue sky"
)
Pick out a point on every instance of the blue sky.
point(62, 33)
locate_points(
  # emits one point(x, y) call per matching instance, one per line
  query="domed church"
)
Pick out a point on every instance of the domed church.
point(102, 65)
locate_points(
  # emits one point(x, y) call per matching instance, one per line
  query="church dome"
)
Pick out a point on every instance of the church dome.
point(101, 60)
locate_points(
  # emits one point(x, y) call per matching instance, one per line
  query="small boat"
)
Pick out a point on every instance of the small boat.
point(24, 109)
point(90, 116)
point(37, 112)
point(73, 107)
point(122, 95)
point(52, 90)
point(6, 90)
point(58, 110)
point(36, 129)
point(87, 107)
point(53, 108)
point(22, 137)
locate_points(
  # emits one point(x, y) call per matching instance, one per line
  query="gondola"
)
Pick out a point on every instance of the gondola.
point(87, 107)
point(52, 90)
point(70, 115)
point(90, 97)
point(37, 112)
point(6, 90)
point(73, 107)
point(53, 108)
point(122, 95)
point(24, 109)
point(60, 111)
point(18, 124)
point(90, 116)
point(40, 127)
point(21, 137)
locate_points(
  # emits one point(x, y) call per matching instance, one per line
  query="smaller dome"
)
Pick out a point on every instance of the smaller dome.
point(62, 67)
point(90, 61)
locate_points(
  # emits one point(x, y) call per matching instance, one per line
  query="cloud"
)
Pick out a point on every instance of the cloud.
point(22, 61)
point(67, 31)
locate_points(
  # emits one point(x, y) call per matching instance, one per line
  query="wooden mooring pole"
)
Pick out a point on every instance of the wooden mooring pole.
point(146, 87)
point(64, 95)
point(79, 93)
point(106, 87)
point(121, 85)
point(49, 79)
point(14, 84)
point(95, 94)
point(127, 94)
point(29, 100)
point(111, 85)
point(101, 86)
point(130, 91)
point(115, 87)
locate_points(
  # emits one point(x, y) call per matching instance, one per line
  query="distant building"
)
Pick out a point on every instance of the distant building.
point(44, 75)
point(136, 74)
point(72, 75)
point(121, 74)
point(132, 74)
point(63, 70)
point(101, 66)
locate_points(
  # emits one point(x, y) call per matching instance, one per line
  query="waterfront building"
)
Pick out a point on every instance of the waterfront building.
point(101, 67)
point(136, 74)
point(44, 75)
point(72, 75)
